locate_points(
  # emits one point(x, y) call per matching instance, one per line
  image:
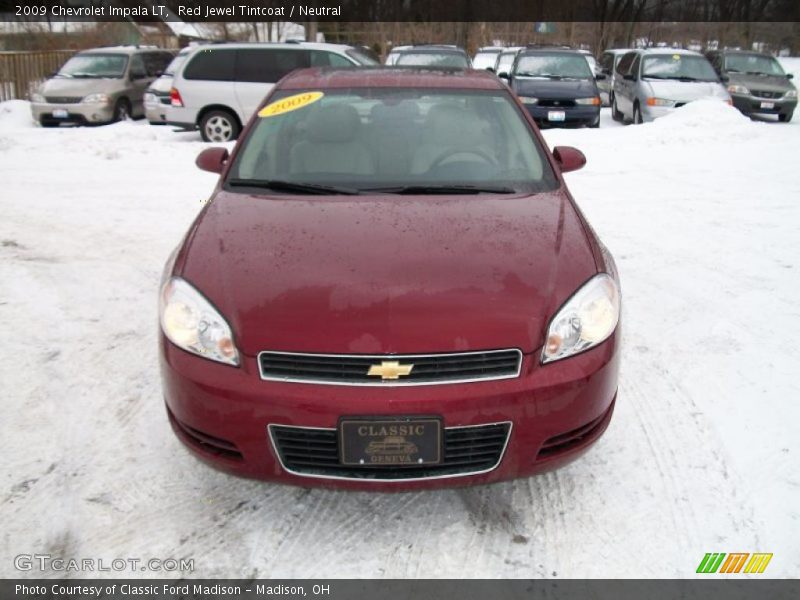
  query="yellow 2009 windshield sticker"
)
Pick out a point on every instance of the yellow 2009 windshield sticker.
point(676, 57)
point(289, 104)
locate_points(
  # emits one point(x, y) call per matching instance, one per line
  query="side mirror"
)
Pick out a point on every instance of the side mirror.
point(490, 69)
point(724, 78)
point(790, 76)
point(629, 77)
point(504, 75)
point(600, 76)
point(212, 159)
point(568, 158)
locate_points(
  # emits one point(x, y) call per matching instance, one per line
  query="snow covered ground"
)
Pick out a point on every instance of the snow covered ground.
point(701, 211)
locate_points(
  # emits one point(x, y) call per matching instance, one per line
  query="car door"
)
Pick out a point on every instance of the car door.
point(257, 71)
point(139, 82)
point(623, 88)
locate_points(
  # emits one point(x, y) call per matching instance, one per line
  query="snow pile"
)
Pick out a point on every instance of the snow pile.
point(700, 210)
point(15, 114)
point(791, 64)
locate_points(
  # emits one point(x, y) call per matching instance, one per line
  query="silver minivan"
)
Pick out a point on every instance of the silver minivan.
point(218, 87)
point(606, 65)
point(102, 85)
point(652, 83)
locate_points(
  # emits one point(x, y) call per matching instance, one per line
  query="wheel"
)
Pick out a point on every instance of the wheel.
point(616, 114)
point(219, 126)
point(596, 124)
point(122, 110)
point(45, 123)
point(785, 117)
point(637, 114)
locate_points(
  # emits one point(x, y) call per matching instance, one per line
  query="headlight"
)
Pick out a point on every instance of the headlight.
point(595, 101)
point(190, 322)
point(588, 318)
point(791, 94)
point(659, 102)
point(37, 98)
point(528, 100)
point(735, 88)
point(96, 99)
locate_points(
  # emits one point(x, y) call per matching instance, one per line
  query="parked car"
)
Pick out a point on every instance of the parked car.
point(486, 57)
point(505, 62)
point(102, 85)
point(590, 59)
point(390, 251)
point(434, 56)
point(756, 82)
point(556, 85)
point(607, 66)
point(218, 87)
point(157, 96)
point(651, 83)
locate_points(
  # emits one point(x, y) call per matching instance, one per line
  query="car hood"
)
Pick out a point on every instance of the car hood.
point(686, 91)
point(765, 83)
point(65, 86)
point(555, 89)
point(387, 274)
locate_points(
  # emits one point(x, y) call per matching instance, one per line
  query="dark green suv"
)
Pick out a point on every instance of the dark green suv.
point(756, 82)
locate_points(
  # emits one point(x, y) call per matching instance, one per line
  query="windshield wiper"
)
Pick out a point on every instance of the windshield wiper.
point(443, 189)
point(293, 187)
point(757, 73)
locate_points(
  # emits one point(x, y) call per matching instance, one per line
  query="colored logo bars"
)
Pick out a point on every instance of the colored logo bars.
point(736, 562)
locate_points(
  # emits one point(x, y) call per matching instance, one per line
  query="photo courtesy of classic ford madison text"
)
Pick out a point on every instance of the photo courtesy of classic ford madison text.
point(400, 297)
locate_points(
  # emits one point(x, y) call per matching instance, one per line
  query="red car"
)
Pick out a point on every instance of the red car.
point(390, 288)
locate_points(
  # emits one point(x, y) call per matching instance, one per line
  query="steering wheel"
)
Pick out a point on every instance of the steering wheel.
point(487, 158)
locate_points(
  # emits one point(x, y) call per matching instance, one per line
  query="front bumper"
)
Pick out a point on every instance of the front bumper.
point(80, 113)
point(769, 106)
point(546, 406)
point(573, 115)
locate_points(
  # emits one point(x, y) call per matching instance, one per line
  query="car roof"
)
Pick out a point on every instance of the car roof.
point(390, 77)
point(282, 45)
point(655, 51)
point(122, 50)
point(618, 50)
point(433, 49)
point(736, 51)
point(551, 50)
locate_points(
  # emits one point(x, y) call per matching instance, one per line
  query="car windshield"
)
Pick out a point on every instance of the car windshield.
point(433, 59)
point(95, 66)
point(393, 140)
point(505, 61)
point(678, 66)
point(485, 59)
point(753, 63)
point(553, 66)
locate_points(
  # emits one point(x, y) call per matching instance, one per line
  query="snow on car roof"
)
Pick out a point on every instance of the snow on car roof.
point(322, 77)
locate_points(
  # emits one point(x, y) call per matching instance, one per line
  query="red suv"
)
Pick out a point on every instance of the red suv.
point(390, 254)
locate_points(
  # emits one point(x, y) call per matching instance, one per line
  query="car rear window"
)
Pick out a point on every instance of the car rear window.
point(432, 59)
point(372, 138)
point(573, 66)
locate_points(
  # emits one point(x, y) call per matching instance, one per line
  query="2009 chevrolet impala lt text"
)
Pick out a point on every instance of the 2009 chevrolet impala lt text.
point(390, 288)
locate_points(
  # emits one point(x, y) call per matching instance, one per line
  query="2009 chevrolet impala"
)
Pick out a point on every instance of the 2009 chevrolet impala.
point(390, 288)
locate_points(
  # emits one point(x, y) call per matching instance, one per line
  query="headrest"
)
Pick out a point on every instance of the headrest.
point(333, 123)
point(454, 125)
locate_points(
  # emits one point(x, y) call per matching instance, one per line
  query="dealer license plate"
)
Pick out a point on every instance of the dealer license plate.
point(60, 113)
point(767, 105)
point(556, 115)
point(393, 442)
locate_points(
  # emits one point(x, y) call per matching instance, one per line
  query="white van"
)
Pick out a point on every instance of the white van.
point(218, 87)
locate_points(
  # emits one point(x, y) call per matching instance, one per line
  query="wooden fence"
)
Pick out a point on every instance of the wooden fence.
point(22, 72)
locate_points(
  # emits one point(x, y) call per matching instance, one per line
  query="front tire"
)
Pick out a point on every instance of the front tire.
point(637, 114)
point(616, 114)
point(122, 110)
point(219, 126)
point(785, 117)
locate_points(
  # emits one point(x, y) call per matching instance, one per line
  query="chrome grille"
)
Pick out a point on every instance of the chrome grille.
point(314, 452)
point(764, 94)
point(353, 369)
point(63, 99)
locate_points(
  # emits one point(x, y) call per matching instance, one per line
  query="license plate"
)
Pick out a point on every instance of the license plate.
point(60, 113)
point(396, 442)
point(556, 115)
point(767, 105)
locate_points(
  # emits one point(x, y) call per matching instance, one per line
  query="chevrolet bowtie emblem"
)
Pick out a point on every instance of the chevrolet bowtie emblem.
point(389, 369)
